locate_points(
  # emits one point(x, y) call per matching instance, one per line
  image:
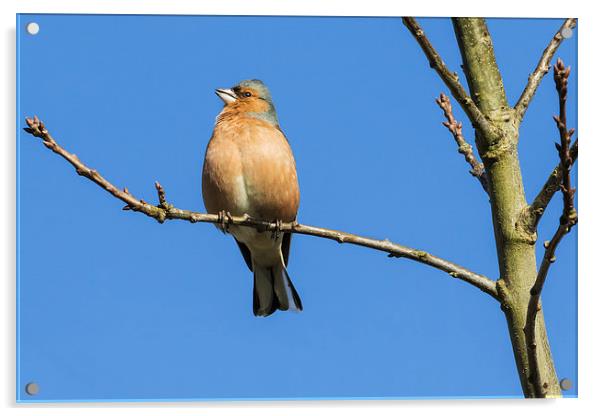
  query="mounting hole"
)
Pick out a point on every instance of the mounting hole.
point(32, 389)
point(566, 32)
point(32, 28)
point(566, 384)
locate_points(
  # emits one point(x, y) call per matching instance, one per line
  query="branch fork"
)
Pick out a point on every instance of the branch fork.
point(484, 78)
point(451, 79)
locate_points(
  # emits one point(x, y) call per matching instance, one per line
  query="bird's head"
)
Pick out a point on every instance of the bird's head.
point(251, 97)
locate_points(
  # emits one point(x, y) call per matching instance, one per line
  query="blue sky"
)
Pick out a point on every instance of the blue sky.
point(113, 306)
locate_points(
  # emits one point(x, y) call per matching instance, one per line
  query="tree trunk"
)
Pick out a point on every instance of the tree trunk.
point(515, 242)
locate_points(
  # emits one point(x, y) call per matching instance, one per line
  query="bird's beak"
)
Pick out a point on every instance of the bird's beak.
point(226, 94)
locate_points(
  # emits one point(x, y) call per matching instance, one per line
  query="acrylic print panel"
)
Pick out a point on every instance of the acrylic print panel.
point(114, 306)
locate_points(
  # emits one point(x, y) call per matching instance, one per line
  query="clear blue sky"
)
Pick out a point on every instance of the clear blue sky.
point(113, 305)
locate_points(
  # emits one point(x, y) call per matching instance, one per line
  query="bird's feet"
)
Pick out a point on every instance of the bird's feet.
point(224, 219)
point(277, 230)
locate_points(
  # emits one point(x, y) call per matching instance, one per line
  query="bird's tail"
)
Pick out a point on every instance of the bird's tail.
point(273, 289)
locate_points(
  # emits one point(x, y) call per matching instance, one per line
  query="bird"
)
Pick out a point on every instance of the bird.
point(249, 169)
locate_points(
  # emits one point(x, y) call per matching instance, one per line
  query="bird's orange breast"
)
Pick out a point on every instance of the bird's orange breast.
point(249, 169)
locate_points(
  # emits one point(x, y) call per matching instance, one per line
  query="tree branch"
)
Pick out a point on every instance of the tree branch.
point(165, 211)
point(477, 169)
point(450, 79)
point(567, 220)
point(535, 211)
point(542, 68)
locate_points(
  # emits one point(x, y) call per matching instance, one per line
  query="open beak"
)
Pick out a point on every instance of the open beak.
point(226, 94)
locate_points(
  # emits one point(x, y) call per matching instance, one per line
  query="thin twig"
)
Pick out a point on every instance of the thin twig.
point(455, 127)
point(165, 211)
point(567, 220)
point(542, 68)
point(450, 79)
point(535, 211)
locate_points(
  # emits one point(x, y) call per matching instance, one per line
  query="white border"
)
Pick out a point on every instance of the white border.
point(589, 200)
point(550, 8)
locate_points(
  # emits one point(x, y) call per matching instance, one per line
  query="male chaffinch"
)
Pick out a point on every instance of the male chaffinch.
point(249, 169)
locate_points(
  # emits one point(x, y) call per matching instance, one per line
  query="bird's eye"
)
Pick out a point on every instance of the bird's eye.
point(247, 94)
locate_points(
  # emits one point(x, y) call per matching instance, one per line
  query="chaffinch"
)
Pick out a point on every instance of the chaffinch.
point(249, 169)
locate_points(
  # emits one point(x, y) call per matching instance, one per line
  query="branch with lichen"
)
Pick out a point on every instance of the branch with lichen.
point(455, 127)
point(166, 211)
point(567, 220)
point(450, 79)
point(542, 68)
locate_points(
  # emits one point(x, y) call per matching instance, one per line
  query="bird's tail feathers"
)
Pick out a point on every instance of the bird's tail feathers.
point(273, 289)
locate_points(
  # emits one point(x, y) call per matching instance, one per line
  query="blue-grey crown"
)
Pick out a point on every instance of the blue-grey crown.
point(258, 86)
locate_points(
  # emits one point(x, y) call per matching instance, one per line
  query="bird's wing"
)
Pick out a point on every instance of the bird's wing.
point(246, 253)
point(286, 246)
